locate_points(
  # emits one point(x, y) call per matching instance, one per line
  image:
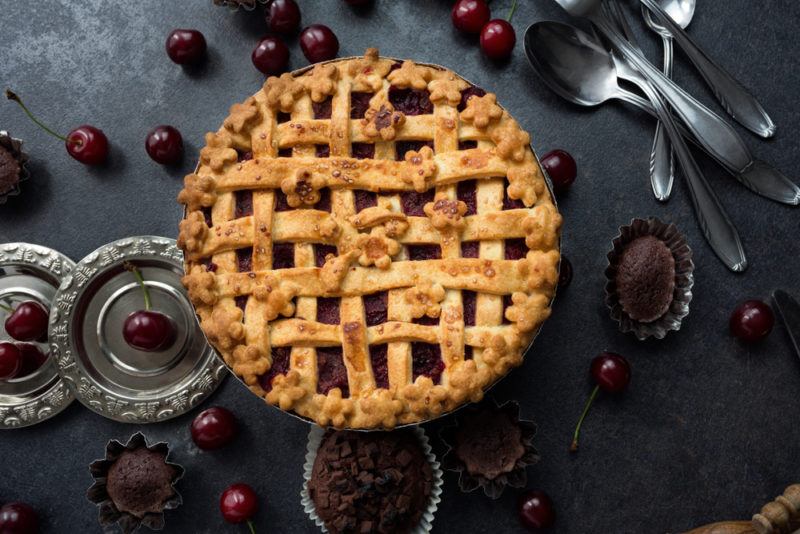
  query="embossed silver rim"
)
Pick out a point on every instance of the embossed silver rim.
point(76, 361)
point(18, 411)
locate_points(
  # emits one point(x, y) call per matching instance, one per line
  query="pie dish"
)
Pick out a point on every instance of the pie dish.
point(369, 242)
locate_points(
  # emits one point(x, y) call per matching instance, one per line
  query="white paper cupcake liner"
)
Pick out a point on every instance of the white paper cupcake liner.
point(426, 521)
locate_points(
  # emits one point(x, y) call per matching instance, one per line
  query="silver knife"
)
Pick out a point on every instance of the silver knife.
point(789, 310)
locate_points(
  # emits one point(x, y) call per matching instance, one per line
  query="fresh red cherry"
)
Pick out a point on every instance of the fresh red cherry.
point(536, 510)
point(611, 373)
point(10, 361)
point(213, 428)
point(86, 143)
point(498, 39)
point(186, 47)
point(469, 16)
point(146, 329)
point(319, 43)
point(283, 16)
point(164, 145)
point(752, 321)
point(238, 504)
point(565, 273)
point(18, 518)
point(561, 168)
point(270, 56)
point(32, 358)
point(27, 322)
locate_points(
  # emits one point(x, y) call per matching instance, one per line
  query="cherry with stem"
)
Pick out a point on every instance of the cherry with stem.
point(498, 36)
point(147, 330)
point(26, 322)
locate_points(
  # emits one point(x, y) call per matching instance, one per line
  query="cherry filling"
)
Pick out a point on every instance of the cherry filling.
point(510, 203)
point(466, 193)
point(378, 355)
point(281, 202)
point(506, 303)
point(359, 104)
point(324, 203)
point(244, 259)
point(243, 156)
point(280, 365)
point(468, 301)
point(321, 251)
point(322, 110)
point(282, 255)
point(426, 321)
point(283, 117)
point(365, 199)
point(376, 308)
point(467, 145)
point(401, 147)
point(470, 249)
point(468, 93)
point(331, 371)
point(467, 352)
point(426, 360)
point(515, 249)
point(241, 302)
point(207, 215)
point(396, 65)
point(322, 151)
point(285, 152)
point(411, 101)
point(362, 150)
point(210, 266)
point(244, 204)
point(413, 203)
point(328, 310)
point(424, 252)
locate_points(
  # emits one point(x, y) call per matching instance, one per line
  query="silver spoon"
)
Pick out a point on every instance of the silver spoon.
point(714, 222)
point(585, 77)
point(736, 100)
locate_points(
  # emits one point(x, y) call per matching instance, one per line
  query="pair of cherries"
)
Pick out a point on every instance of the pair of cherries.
point(26, 322)
point(497, 36)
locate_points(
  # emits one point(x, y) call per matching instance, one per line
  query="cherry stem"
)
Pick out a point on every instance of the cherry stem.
point(5, 308)
point(132, 268)
point(574, 446)
point(252, 528)
point(511, 13)
point(13, 96)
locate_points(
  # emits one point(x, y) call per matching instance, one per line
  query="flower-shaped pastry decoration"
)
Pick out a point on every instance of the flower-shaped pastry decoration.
point(283, 92)
point(198, 192)
point(383, 121)
point(302, 188)
point(192, 232)
point(321, 82)
point(446, 214)
point(410, 75)
point(525, 183)
point(242, 115)
point(218, 151)
point(467, 381)
point(512, 142)
point(446, 90)
point(249, 363)
point(425, 398)
point(286, 390)
point(419, 169)
point(541, 227)
point(224, 327)
point(335, 269)
point(277, 297)
point(333, 408)
point(201, 285)
point(380, 408)
point(425, 299)
point(481, 111)
point(539, 269)
point(377, 248)
point(527, 311)
point(329, 228)
point(368, 73)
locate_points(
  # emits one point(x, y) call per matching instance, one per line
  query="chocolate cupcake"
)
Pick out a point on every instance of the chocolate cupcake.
point(490, 448)
point(12, 166)
point(134, 484)
point(649, 278)
point(382, 482)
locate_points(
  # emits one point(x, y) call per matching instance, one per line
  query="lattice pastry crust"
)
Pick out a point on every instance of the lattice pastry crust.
point(369, 243)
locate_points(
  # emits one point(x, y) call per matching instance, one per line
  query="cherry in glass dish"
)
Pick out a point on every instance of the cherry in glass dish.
point(10, 361)
point(26, 321)
point(147, 329)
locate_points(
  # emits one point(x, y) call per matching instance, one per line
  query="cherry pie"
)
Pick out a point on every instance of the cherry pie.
point(369, 242)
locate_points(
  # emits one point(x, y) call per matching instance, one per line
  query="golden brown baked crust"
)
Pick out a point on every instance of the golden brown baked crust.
point(251, 315)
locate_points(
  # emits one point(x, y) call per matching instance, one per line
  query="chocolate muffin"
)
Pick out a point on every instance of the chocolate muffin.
point(140, 481)
point(646, 278)
point(9, 171)
point(370, 482)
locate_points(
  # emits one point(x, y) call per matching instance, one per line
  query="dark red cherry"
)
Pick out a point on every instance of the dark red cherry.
point(283, 16)
point(752, 321)
point(565, 273)
point(470, 16)
point(536, 510)
point(213, 428)
point(10, 361)
point(87, 144)
point(238, 503)
point(561, 168)
point(270, 56)
point(319, 43)
point(148, 330)
point(186, 47)
point(498, 39)
point(164, 145)
point(32, 358)
point(28, 322)
point(18, 518)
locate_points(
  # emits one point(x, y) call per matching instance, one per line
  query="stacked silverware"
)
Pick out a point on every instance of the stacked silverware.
point(585, 68)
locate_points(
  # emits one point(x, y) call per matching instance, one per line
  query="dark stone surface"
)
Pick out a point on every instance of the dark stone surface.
point(706, 431)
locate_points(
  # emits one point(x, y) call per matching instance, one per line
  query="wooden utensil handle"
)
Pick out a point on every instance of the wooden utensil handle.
point(781, 516)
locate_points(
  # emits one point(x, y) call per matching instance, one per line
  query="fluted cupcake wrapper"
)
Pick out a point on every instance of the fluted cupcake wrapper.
point(234, 5)
point(14, 146)
point(315, 436)
point(684, 278)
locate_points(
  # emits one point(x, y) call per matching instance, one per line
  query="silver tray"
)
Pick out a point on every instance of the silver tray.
point(104, 373)
point(31, 272)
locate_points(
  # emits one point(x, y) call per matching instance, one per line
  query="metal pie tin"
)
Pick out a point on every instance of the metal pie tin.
point(31, 272)
point(104, 372)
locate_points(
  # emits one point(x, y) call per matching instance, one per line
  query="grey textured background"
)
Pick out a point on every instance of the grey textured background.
point(708, 429)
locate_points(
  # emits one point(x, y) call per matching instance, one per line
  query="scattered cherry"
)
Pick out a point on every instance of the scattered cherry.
point(498, 39)
point(186, 47)
point(146, 329)
point(536, 510)
point(565, 273)
point(86, 143)
point(319, 43)
point(470, 16)
point(18, 518)
point(164, 145)
point(27, 322)
point(611, 373)
point(213, 428)
point(238, 504)
point(10, 361)
point(32, 358)
point(283, 16)
point(270, 56)
point(561, 168)
point(752, 321)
